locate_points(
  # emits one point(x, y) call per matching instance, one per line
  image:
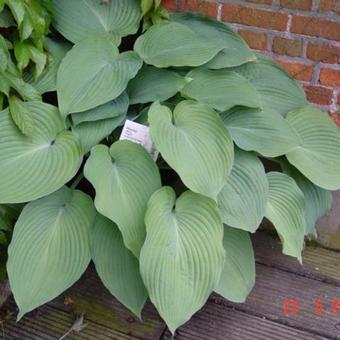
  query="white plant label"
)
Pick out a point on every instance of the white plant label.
point(139, 133)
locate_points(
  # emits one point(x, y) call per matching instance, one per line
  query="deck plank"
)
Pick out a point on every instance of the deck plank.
point(51, 323)
point(319, 263)
point(273, 286)
point(218, 322)
point(89, 296)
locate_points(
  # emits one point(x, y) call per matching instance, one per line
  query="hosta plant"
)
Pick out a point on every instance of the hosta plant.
point(172, 228)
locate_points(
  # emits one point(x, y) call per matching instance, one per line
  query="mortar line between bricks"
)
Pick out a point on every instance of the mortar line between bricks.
point(284, 34)
point(281, 9)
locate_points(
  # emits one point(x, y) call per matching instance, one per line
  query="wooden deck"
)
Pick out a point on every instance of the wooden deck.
point(279, 278)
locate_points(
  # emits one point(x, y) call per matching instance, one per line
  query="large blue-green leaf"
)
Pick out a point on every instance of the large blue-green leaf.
point(78, 19)
point(243, 199)
point(152, 84)
point(34, 167)
point(182, 257)
point(195, 143)
point(50, 248)
point(124, 177)
point(238, 273)
point(91, 133)
point(317, 200)
point(318, 154)
point(173, 44)
point(235, 51)
point(93, 73)
point(277, 90)
point(112, 109)
point(265, 132)
point(286, 210)
point(220, 89)
point(117, 267)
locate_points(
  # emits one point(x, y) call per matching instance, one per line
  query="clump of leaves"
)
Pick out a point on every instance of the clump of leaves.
point(213, 108)
point(23, 27)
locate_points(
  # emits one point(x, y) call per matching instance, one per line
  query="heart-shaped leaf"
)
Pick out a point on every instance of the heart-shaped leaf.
point(235, 51)
point(318, 155)
point(195, 143)
point(317, 200)
point(50, 248)
point(77, 20)
point(238, 273)
point(152, 84)
point(286, 210)
point(117, 267)
point(277, 90)
point(243, 199)
point(93, 73)
point(34, 167)
point(220, 89)
point(182, 257)
point(265, 132)
point(124, 177)
point(173, 44)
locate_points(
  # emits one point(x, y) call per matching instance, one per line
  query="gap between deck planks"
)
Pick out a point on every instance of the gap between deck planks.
point(279, 277)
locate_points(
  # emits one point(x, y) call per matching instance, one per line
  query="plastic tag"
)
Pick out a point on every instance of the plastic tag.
point(139, 133)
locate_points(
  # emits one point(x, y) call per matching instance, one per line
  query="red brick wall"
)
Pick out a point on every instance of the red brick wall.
point(302, 35)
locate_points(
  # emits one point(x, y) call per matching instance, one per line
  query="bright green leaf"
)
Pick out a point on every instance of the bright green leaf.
point(243, 199)
point(234, 49)
point(238, 273)
point(173, 44)
point(317, 200)
point(50, 248)
point(21, 115)
point(286, 210)
point(117, 267)
point(265, 132)
point(220, 89)
point(195, 143)
point(124, 177)
point(182, 257)
point(34, 167)
point(77, 20)
point(93, 73)
point(47, 82)
point(152, 84)
point(318, 155)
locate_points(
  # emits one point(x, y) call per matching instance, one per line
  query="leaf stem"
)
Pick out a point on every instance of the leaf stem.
point(78, 179)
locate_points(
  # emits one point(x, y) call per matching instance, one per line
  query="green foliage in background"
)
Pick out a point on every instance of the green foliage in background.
point(174, 229)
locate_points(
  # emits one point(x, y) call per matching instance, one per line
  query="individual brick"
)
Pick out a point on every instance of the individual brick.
point(255, 40)
point(323, 53)
point(170, 5)
point(318, 94)
point(299, 71)
point(254, 17)
point(203, 6)
point(330, 76)
point(329, 6)
point(284, 46)
point(305, 5)
point(316, 27)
